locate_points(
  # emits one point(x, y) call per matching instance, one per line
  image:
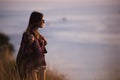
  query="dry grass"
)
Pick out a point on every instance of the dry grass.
point(8, 71)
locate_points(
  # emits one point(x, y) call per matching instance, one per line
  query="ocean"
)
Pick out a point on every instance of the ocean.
point(83, 40)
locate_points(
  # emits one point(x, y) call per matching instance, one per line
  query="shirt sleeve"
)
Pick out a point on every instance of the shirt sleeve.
point(33, 43)
point(28, 39)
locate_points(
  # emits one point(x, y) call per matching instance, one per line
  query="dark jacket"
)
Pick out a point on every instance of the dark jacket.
point(31, 52)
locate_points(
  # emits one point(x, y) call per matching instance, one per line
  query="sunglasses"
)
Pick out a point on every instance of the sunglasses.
point(43, 20)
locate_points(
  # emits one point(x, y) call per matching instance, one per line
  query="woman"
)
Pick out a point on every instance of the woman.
point(31, 55)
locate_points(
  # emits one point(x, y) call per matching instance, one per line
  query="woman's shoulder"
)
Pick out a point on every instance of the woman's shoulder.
point(28, 35)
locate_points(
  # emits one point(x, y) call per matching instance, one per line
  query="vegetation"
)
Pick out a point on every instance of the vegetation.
point(6, 48)
point(8, 68)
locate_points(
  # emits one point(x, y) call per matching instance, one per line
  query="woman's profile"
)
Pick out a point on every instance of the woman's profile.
point(31, 55)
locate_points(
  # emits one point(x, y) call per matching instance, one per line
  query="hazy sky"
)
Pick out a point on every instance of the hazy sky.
point(69, 1)
point(101, 23)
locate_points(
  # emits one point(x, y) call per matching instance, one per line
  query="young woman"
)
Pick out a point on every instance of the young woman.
point(31, 56)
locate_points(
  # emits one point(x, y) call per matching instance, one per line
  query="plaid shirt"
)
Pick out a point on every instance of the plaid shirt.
point(31, 53)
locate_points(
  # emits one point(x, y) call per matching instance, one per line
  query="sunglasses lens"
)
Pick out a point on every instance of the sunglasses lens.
point(43, 21)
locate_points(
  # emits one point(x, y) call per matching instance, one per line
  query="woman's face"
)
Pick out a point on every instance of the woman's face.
point(41, 23)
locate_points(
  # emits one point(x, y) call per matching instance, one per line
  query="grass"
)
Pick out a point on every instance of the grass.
point(8, 71)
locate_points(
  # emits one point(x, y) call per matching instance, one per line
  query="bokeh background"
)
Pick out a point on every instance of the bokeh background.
point(83, 35)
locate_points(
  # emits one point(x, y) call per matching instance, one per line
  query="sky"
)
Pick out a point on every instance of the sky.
point(69, 1)
point(99, 27)
point(9, 4)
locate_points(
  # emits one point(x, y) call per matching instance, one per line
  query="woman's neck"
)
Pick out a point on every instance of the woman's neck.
point(36, 33)
point(35, 29)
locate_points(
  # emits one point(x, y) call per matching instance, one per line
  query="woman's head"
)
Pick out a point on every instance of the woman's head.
point(35, 17)
point(36, 20)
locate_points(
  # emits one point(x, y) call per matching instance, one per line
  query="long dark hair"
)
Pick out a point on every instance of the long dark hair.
point(35, 17)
